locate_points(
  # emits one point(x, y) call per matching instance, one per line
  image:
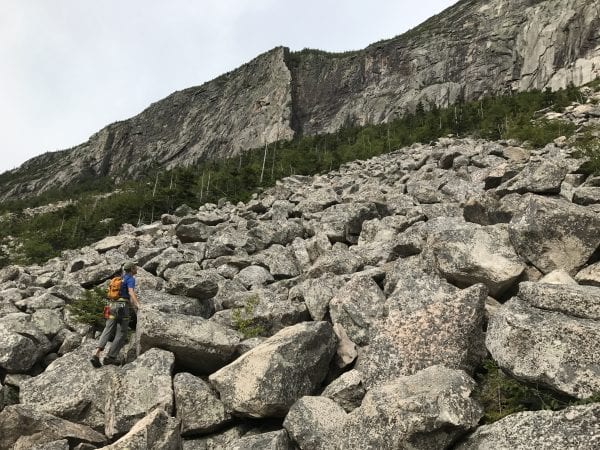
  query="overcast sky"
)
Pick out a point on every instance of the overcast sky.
point(70, 67)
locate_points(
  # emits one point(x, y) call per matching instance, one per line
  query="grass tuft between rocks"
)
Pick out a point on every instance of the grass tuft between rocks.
point(243, 319)
point(501, 395)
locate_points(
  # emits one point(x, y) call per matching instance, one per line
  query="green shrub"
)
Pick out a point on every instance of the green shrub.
point(589, 148)
point(243, 319)
point(89, 308)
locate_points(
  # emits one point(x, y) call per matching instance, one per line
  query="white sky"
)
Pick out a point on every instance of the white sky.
point(70, 67)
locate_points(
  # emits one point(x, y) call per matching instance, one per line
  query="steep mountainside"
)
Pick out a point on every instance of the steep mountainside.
point(346, 310)
point(472, 49)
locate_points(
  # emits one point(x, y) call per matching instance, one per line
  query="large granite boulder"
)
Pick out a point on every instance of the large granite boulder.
point(279, 260)
point(268, 379)
point(254, 276)
point(267, 233)
point(427, 410)
point(314, 422)
point(570, 299)
point(317, 293)
point(78, 395)
point(24, 427)
point(338, 261)
point(343, 222)
point(155, 431)
point(22, 343)
point(264, 310)
point(538, 177)
point(576, 427)
point(448, 332)
point(552, 233)
point(136, 389)
point(48, 321)
point(89, 277)
point(189, 280)
point(356, 306)
point(546, 347)
point(198, 407)
point(190, 229)
point(175, 304)
point(467, 254)
point(201, 345)
point(411, 287)
point(318, 200)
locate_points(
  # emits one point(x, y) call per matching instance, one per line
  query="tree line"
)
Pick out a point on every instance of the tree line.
point(93, 216)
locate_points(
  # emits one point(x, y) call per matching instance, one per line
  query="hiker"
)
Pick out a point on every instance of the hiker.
point(117, 323)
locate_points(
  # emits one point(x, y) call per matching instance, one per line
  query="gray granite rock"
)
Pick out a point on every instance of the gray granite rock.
point(356, 306)
point(268, 379)
point(138, 388)
point(199, 344)
point(24, 427)
point(314, 422)
point(429, 409)
point(198, 407)
point(155, 431)
point(546, 347)
point(447, 332)
point(576, 427)
point(554, 234)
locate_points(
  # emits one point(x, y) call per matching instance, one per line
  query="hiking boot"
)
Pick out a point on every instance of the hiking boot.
point(109, 361)
point(95, 361)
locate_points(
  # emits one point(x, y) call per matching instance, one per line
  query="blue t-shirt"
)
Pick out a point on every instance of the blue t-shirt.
point(128, 282)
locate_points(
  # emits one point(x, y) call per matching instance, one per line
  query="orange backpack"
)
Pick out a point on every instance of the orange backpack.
point(114, 288)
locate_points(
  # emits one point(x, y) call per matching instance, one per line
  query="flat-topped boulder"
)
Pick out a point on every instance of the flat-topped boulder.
point(197, 343)
point(546, 347)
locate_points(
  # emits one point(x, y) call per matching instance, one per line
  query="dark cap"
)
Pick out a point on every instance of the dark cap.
point(129, 265)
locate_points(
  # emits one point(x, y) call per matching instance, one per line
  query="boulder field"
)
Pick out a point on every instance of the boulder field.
point(347, 310)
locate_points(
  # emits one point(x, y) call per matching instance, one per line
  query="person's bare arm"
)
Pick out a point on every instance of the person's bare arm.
point(133, 297)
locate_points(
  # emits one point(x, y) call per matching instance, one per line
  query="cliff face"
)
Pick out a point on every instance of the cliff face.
point(472, 49)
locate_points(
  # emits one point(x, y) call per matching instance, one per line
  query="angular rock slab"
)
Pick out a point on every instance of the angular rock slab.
point(570, 299)
point(448, 333)
point(188, 280)
point(347, 390)
point(176, 304)
point(427, 410)
point(273, 440)
point(199, 344)
point(411, 288)
point(22, 343)
point(356, 306)
point(279, 260)
point(590, 275)
point(317, 293)
point(267, 380)
point(314, 422)
point(70, 388)
point(137, 388)
point(539, 177)
point(198, 407)
point(468, 254)
point(577, 427)
point(155, 431)
point(22, 427)
point(546, 347)
point(554, 234)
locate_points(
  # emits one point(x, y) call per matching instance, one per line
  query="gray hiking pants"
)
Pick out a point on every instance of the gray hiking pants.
point(116, 328)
